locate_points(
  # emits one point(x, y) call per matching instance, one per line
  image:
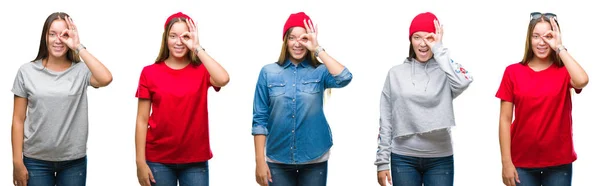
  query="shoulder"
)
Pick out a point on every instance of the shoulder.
point(271, 68)
point(515, 66)
point(28, 66)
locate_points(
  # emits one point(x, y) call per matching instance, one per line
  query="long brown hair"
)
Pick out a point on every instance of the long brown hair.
point(529, 55)
point(43, 50)
point(164, 47)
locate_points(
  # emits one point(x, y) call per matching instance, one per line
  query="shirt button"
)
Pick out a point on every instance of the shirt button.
point(293, 85)
point(294, 100)
point(292, 131)
point(293, 116)
point(292, 148)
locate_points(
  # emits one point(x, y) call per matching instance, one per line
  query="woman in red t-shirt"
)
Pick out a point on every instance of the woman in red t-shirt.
point(539, 90)
point(172, 144)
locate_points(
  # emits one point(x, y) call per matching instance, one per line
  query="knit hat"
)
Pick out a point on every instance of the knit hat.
point(295, 20)
point(422, 22)
point(177, 15)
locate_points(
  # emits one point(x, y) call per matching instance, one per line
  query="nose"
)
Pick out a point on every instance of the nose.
point(542, 42)
point(422, 43)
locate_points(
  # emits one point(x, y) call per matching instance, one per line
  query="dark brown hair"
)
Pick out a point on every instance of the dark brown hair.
point(43, 50)
point(164, 47)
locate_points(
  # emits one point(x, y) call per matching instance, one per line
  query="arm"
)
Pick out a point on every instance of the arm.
point(579, 77)
point(101, 76)
point(259, 129)
point(509, 172)
point(506, 114)
point(459, 78)
point(218, 75)
point(336, 76)
point(141, 128)
point(384, 148)
point(20, 174)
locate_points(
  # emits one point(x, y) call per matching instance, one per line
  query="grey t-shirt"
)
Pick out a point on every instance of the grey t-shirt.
point(56, 126)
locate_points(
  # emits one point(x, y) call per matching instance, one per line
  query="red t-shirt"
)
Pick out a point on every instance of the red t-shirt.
point(178, 124)
point(541, 133)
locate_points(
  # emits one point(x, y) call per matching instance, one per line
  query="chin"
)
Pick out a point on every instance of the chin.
point(542, 56)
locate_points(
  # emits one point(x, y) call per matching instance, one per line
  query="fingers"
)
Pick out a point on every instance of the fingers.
point(389, 178)
point(517, 177)
point(554, 24)
point(316, 29)
point(62, 35)
point(269, 175)
point(191, 25)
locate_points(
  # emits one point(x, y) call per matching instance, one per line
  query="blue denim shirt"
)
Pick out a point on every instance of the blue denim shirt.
point(288, 109)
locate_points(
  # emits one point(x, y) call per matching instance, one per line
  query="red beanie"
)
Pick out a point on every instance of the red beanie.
point(422, 22)
point(294, 20)
point(177, 15)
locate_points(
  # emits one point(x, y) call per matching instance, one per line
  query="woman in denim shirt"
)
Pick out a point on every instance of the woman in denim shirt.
point(288, 118)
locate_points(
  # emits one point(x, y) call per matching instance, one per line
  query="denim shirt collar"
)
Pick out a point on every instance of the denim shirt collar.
point(305, 63)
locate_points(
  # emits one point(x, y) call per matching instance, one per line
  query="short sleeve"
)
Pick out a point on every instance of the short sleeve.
point(19, 85)
point(505, 91)
point(142, 91)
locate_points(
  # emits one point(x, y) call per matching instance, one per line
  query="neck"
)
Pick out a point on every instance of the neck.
point(295, 61)
point(540, 62)
point(58, 61)
point(177, 61)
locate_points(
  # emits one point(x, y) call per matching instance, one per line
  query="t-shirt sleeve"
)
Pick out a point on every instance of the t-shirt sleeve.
point(217, 89)
point(505, 91)
point(19, 85)
point(142, 91)
point(87, 75)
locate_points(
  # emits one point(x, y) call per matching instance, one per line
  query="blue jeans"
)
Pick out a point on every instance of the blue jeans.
point(298, 175)
point(415, 171)
point(547, 176)
point(188, 174)
point(59, 173)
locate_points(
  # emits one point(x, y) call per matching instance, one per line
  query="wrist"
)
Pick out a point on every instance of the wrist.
point(79, 48)
point(197, 48)
point(318, 51)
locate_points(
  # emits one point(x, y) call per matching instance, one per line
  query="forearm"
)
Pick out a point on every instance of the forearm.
point(99, 72)
point(217, 73)
point(259, 147)
point(579, 77)
point(17, 140)
point(140, 141)
point(504, 135)
point(333, 66)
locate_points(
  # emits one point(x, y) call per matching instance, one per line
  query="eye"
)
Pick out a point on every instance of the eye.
point(291, 38)
point(172, 36)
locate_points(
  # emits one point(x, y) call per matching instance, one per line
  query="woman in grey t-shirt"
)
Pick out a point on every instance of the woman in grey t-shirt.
point(49, 145)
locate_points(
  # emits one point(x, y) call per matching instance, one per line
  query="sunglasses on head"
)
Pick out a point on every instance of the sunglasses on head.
point(537, 15)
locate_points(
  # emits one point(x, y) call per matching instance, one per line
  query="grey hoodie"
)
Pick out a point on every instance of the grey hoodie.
point(417, 99)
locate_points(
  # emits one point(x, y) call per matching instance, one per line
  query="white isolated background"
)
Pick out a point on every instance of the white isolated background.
point(367, 36)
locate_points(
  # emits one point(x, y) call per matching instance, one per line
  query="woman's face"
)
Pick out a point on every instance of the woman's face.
point(422, 51)
point(296, 50)
point(177, 48)
point(56, 48)
point(540, 48)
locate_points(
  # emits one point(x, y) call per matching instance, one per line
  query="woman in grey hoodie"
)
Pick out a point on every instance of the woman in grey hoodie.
point(416, 111)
